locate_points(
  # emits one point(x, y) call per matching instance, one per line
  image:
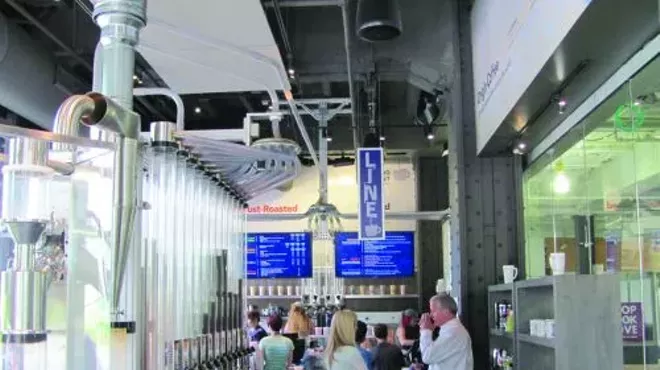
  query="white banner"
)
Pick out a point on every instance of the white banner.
point(511, 41)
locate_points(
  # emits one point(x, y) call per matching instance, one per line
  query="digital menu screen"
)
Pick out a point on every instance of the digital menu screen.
point(393, 256)
point(279, 255)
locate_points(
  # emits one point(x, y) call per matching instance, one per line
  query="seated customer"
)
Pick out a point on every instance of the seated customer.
point(386, 356)
point(360, 341)
point(276, 349)
point(255, 331)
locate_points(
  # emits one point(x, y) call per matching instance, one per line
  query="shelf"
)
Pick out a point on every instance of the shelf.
point(539, 341)
point(272, 297)
point(501, 288)
point(544, 282)
point(380, 296)
point(501, 333)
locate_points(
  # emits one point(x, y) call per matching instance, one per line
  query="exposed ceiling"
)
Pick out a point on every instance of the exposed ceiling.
point(420, 60)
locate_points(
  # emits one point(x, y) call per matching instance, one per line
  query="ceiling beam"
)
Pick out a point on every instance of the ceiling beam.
point(305, 3)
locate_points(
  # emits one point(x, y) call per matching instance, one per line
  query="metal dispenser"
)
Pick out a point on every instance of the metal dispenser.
point(23, 285)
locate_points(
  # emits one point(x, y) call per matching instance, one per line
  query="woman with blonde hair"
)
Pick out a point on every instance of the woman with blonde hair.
point(342, 352)
point(298, 322)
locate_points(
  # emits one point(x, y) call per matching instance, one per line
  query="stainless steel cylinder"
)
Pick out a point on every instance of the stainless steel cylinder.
point(23, 302)
point(162, 132)
point(25, 151)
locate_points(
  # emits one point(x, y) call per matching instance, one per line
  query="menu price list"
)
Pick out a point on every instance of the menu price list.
point(279, 255)
point(391, 257)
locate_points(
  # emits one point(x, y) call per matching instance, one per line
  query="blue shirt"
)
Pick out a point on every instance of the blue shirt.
point(366, 356)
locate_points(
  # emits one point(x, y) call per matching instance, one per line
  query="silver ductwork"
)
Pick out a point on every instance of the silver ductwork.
point(120, 22)
point(27, 67)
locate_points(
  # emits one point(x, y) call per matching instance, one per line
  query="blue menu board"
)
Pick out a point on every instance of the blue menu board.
point(393, 256)
point(279, 255)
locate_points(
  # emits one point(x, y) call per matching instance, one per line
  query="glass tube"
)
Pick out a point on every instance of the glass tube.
point(179, 256)
point(26, 192)
point(188, 255)
point(150, 222)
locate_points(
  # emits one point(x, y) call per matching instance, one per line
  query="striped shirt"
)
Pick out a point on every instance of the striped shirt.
point(276, 351)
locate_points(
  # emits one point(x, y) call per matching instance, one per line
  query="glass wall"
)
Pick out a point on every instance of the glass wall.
point(596, 197)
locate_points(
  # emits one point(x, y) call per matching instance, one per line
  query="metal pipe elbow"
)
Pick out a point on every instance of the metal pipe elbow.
point(110, 116)
point(69, 116)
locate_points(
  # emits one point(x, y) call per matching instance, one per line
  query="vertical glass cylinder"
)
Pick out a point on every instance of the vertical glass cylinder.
point(26, 181)
point(181, 209)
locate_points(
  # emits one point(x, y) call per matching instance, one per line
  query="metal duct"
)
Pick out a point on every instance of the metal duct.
point(26, 68)
point(378, 20)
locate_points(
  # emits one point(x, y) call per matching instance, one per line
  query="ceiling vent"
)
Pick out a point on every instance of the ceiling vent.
point(378, 20)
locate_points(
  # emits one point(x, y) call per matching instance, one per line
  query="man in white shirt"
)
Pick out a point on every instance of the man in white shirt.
point(452, 350)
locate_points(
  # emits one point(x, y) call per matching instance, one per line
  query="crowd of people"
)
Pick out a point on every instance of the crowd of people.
point(435, 341)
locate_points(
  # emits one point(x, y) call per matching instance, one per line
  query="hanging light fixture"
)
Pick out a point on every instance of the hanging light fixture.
point(378, 20)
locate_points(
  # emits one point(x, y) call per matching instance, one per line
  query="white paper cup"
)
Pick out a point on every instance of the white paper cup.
point(550, 328)
point(557, 262)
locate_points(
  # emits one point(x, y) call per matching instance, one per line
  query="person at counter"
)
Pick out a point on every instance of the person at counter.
point(452, 350)
point(255, 331)
point(386, 356)
point(276, 349)
point(361, 341)
point(298, 322)
point(408, 330)
point(341, 352)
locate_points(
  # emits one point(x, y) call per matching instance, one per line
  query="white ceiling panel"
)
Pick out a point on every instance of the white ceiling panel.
point(212, 46)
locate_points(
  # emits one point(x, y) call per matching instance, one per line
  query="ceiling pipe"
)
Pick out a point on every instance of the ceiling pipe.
point(224, 46)
point(20, 57)
point(349, 69)
point(180, 107)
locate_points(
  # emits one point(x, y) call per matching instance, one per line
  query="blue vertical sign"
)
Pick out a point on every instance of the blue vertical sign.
point(371, 206)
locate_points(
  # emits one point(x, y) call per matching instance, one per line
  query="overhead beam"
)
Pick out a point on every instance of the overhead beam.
point(304, 3)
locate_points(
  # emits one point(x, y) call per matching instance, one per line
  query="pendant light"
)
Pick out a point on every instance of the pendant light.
point(378, 20)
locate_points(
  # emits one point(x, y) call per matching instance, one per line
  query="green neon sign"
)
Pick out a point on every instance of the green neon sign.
point(629, 117)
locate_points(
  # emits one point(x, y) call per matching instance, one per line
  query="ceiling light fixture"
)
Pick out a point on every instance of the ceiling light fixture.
point(198, 110)
point(561, 104)
point(328, 139)
point(520, 148)
point(430, 136)
point(382, 138)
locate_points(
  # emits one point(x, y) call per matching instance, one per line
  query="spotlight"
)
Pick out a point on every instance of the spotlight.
point(520, 148)
point(430, 136)
point(561, 104)
point(198, 110)
point(382, 138)
point(292, 71)
point(328, 139)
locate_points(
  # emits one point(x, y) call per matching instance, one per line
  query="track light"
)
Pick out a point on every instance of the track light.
point(520, 148)
point(561, 105)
